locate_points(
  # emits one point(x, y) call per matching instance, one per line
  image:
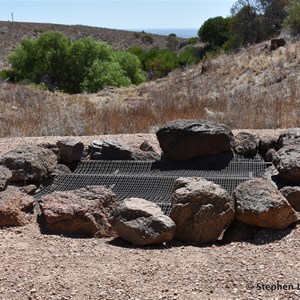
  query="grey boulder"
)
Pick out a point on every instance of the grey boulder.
point(5, 176)
point(142, 222)
point(287, 162)
point(30, 163)
point(188, 139)
point(109, 149)
point(292, 194)
point(289, 138)
point(70, 150)
point(201, 210)
point(245, 144)
point(259, 203)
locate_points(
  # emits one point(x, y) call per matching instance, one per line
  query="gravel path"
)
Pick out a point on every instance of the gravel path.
point(36, 266)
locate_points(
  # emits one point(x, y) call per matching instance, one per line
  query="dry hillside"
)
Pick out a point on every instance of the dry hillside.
point(11, 33)
point(253, 88)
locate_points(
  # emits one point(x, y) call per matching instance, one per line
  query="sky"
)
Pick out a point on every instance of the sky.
point(116, 14)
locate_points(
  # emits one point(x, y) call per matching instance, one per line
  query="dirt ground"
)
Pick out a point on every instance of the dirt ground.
point(37, 266)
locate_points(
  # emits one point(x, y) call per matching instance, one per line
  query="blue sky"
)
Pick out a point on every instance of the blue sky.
point(117, 14)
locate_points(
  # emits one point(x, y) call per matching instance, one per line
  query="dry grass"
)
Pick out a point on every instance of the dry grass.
point(253, 89)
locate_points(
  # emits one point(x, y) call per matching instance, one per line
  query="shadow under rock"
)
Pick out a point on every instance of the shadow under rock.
point(266, 235)
point(119, 242)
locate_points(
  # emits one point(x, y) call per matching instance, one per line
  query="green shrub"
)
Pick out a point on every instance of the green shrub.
point(192, 55)
point(7, 75)
point(131, 64)
point(104, 73)
point(215, 31)
point(147, 39)
point(64, 65)
point(193, 40)
point(292, 21)
point(160, 62)
point(172, 41)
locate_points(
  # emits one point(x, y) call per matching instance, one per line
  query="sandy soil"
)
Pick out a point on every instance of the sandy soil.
point(37, 266)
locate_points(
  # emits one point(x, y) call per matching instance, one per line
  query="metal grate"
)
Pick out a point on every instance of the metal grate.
point(154, 180)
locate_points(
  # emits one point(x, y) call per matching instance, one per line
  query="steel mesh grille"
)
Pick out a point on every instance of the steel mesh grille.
point(154, 180)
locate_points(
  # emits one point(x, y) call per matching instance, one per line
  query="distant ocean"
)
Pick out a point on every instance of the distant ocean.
point(180, 32)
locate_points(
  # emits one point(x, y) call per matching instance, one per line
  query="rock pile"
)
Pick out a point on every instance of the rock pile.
point(201, 211)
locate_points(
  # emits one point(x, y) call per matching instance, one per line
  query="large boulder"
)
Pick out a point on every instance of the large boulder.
point(276, 43)
point(265, 144)
point(110, 149)
point(70, 150)
point(144, 155)
point(287, 162)
point(259, 203)
point(292, 194)
point(188, 139)
point(245, 144)
point(289, 138)
point(30, 163)
point(81, 211)
point(142, 222)
point(5, 176)
point(201, 210)
point(16, 207)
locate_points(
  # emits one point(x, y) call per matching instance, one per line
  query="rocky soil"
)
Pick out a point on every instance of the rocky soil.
point(37, 266)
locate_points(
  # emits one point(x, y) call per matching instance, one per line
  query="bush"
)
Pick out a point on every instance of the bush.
point(131, 64)
point(215, 31)
point(191, 55)
point(172, 41)
point(147, 39)
point(292, 21)
point(61, 64)
point(158, 63)
point(104, 73)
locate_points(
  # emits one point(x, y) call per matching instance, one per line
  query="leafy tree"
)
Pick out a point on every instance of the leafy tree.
point(292, 21)
point(215, 31)
point(158, 63)
point(274, 14)
point(68, 66)
point(131, 64)
point(256, 20)
point(104, 73)
point(246, 26)
point(46, 55)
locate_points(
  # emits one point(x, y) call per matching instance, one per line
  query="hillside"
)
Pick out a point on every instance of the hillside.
point(254, 88)
point(11, 33)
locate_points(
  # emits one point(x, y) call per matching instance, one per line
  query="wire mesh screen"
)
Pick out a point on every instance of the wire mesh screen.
point(154, 180)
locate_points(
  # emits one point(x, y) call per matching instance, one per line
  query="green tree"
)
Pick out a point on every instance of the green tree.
point(34, 59)
point(191, 55)
point(246, 27)
point(256, 20)
point(274, 14)
point(158, 63)
point(292, 21)
point(215, 31)
point(58, 62)
point(104, 73)
point(131, 64)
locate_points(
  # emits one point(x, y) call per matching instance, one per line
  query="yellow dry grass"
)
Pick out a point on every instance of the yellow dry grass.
point(253, 89)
